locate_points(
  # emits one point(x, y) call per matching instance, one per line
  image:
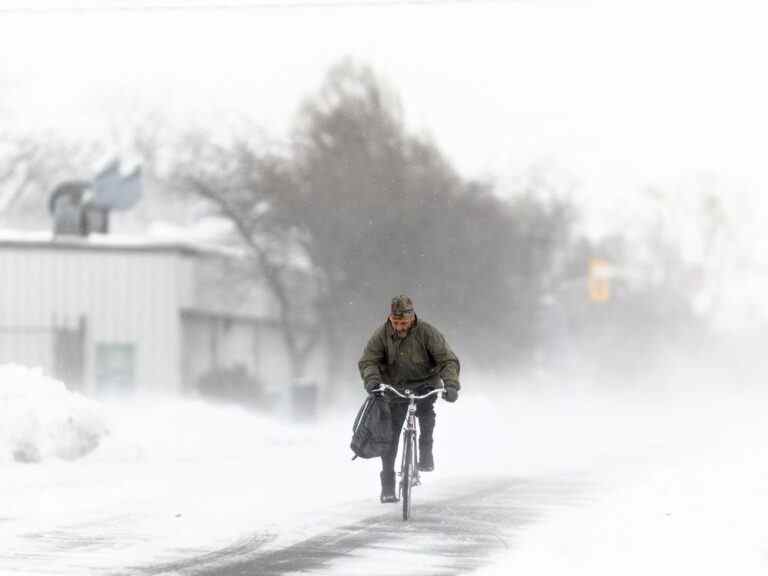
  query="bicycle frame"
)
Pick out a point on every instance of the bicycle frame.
point(409, 473)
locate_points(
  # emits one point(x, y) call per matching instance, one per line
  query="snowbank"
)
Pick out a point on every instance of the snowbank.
point(172, 478)
point(40, 419)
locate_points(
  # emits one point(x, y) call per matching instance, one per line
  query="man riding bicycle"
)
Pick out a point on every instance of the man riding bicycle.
point(408, 352)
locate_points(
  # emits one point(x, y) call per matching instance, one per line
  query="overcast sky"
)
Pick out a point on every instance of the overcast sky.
point(616, 95)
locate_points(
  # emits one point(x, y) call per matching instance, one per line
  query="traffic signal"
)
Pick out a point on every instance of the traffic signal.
point(599, 280)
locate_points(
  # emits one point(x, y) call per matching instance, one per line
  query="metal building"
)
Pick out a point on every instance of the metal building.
point(112, 314)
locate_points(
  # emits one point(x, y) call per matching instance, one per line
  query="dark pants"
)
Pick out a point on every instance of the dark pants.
point(425, 412)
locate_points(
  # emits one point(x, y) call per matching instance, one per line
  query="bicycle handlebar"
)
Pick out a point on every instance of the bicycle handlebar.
point(383, 387)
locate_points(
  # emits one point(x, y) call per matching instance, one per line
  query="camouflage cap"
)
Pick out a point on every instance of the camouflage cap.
point(401, 306)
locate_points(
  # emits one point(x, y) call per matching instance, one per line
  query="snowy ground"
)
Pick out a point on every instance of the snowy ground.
point(671, 482)
point(682, 488)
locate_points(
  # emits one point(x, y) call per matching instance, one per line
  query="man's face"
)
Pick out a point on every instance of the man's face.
point(402, 324)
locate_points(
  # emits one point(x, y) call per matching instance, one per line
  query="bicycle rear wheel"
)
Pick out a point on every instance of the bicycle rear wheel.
point(409, 468)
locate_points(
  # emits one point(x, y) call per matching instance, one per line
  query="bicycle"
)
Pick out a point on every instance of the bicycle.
point(409, 472)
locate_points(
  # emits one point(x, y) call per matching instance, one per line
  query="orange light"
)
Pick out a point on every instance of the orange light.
point(599, 280)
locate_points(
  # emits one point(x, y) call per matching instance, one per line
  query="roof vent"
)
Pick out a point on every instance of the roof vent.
point(81, 207)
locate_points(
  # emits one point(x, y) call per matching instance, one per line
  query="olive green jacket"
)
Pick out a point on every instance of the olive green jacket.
point(421, 356)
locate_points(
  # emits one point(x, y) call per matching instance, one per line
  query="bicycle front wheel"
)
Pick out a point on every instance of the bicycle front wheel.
point(409, 468)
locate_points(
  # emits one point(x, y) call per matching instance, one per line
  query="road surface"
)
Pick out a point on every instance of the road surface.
point(460, 530)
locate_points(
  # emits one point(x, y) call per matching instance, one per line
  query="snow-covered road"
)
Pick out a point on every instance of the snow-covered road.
point(548, 481)
point(455, 530)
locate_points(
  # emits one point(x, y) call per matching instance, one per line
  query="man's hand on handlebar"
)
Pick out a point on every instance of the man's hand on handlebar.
point(450, 394)
point(372, 387)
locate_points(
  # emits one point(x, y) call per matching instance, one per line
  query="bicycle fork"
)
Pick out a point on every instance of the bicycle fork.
point(409, 435)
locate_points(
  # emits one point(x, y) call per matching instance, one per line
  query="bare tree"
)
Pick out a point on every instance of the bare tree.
point(385, 212)
point(246, 188)
point(379, 211)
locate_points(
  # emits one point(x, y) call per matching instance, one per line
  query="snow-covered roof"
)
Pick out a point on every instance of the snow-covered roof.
point(208, 237)
point(149, 242)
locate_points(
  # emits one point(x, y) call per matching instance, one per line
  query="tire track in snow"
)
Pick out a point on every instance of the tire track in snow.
point(446, 535)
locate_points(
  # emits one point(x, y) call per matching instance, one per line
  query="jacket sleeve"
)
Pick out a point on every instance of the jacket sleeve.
point(373, 356)
point(447, 362)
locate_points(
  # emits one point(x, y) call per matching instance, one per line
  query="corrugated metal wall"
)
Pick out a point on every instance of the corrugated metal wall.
point(129, 298)
point(155, 318)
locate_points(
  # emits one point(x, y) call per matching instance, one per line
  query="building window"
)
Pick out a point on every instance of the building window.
point(115, 368)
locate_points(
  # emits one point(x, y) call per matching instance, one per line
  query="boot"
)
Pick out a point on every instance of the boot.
point(388, 487)
point(427, 426)
point(426, 461)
